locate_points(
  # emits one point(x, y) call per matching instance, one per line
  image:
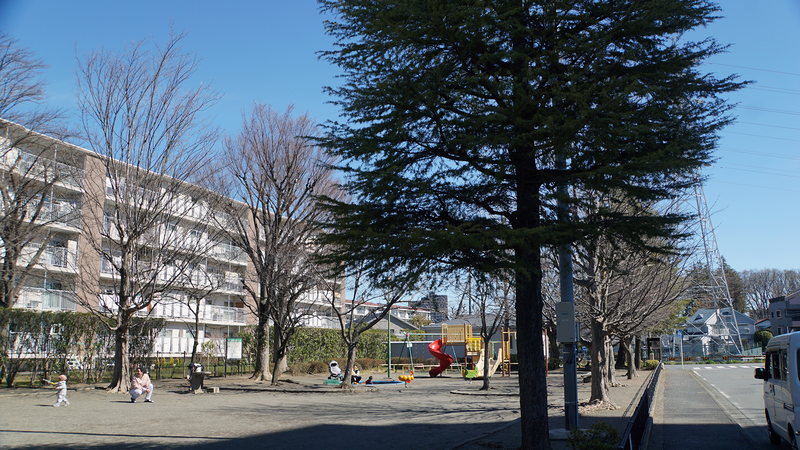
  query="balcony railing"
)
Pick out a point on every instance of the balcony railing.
point(42, 299)
point(58, 212)
point(207, 313)
point(39, 166)
point(52, 257)
point(229, 252)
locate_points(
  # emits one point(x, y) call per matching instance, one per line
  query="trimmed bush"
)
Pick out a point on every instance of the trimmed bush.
point(650, 364)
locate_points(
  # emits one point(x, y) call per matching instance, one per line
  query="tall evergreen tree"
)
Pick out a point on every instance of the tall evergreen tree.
point(460, 119)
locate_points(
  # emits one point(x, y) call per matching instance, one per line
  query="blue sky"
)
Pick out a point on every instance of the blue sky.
point(266, 51)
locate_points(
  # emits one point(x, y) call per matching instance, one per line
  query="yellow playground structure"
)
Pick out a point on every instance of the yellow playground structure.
point(461, 335)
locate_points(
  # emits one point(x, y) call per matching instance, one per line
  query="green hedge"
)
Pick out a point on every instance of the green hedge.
point(53, 337)
point(319, 344)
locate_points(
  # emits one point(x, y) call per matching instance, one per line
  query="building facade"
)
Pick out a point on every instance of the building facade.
point(784, 313)
point(436, 304)
point(195, 272)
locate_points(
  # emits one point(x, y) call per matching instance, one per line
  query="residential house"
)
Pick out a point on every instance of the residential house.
point(784, 313)
point(711, 332)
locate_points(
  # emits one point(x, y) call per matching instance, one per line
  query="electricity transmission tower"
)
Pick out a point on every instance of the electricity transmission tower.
point(717, 287)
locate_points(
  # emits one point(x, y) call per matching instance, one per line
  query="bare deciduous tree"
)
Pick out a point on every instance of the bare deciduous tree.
point(278, 172)
point(144, 123)
point(762, 285)
point(627, 288)
point(29, 166)
point(375, 294)
point(493, 297)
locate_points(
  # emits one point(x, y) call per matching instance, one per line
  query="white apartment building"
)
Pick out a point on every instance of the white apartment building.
point(69, 268)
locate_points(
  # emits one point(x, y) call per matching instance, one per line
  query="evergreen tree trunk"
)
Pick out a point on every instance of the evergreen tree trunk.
point(532, 364)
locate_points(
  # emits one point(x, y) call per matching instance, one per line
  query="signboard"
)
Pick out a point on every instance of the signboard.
point(233, 348)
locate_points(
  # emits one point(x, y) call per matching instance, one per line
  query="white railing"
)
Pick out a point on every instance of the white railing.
point(38, 166)
point(319, 322)
point(52, 257)
point(58, 212)
point(171, 345)
point(229, 252)
point(42, 299)
point(207, 313)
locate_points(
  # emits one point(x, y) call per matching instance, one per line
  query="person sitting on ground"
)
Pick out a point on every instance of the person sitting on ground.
point(369, 380)
point(356, 377)
point(140, 383)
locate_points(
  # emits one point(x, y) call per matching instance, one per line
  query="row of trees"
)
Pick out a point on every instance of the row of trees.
point(462, 126)
point(164, 202)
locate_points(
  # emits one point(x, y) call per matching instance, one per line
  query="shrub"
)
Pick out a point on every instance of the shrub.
point(554, 363)
point(650, 364)
point(762, 337)
point(600, 436)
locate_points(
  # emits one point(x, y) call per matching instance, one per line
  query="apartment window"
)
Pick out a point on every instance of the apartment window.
point(778, 313)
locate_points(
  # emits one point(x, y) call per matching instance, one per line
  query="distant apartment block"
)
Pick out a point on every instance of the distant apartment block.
point(67, 264)
point(436, 304)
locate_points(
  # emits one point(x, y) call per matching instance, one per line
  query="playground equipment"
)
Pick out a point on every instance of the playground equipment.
point(406, 378)
point(461, 335)
point(478, 363)
point(445, 360)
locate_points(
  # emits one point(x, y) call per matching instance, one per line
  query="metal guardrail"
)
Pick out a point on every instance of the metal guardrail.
point(632, 437)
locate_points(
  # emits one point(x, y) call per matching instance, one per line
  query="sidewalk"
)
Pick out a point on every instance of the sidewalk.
point(625, 396)
point(443, 413)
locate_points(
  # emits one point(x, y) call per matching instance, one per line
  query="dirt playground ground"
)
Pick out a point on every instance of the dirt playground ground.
point(301, 413)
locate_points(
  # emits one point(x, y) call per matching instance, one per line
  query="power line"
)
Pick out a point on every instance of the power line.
point(759, 136)
point(756, 186)
point(774, 89)
point(753, 68)
point(753, 152)
point(771, 126)
point(772, 110)
point(790, 174)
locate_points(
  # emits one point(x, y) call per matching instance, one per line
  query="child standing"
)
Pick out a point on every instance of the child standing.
point(61, 388)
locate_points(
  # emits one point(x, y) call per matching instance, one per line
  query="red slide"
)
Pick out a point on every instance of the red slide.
point(435, 348)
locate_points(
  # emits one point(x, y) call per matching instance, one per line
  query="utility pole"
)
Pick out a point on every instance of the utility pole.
point(566, 326)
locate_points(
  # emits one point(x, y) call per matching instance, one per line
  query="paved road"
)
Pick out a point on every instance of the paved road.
point(709, 407)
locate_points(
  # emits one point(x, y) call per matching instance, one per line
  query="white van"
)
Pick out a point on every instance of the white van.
point(781, 375)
